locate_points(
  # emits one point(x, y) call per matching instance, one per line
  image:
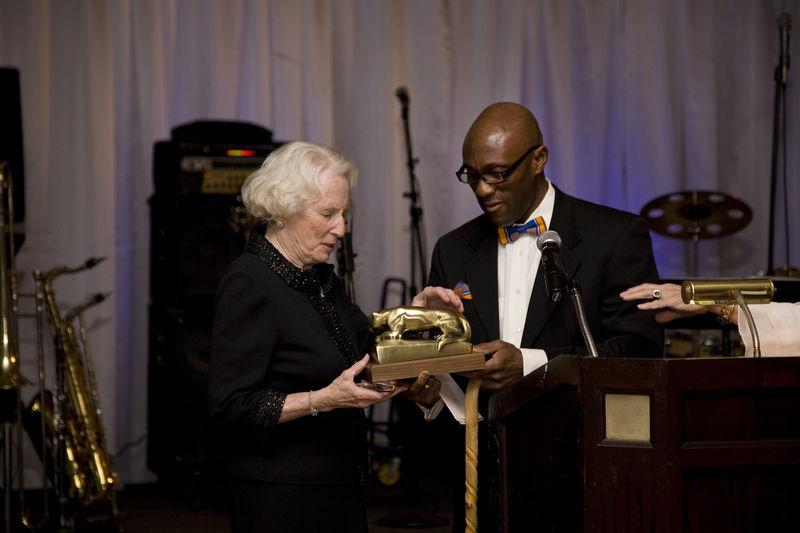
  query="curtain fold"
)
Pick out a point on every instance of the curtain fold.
point(636, 99)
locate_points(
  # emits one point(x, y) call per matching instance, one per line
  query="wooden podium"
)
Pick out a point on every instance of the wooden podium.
point(648, 445)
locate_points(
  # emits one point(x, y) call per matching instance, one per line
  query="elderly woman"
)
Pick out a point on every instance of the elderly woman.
point(288, 347)
point(778, 323)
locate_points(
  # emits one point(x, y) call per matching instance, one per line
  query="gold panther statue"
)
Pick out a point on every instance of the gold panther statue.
point(399, 320)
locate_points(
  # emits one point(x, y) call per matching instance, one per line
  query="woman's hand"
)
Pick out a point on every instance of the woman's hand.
point(666, 296)
point(425, 390)
point(344, 392)
point(438, 297)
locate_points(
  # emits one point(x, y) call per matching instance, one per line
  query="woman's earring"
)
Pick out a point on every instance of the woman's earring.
point(279, 224)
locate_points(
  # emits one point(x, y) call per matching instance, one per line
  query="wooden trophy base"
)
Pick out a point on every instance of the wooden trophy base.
point(464, 362)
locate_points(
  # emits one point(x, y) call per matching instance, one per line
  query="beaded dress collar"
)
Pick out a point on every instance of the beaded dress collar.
point(314, 279)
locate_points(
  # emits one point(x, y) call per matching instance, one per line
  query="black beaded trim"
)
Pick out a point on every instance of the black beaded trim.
point(319, 293)
point(295, 277)
point(270, 406)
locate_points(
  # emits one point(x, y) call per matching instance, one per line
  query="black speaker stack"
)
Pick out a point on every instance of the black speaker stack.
point(11, 144)
point(198, 227)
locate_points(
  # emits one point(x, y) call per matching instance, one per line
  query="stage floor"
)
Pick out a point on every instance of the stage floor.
point(157, 508)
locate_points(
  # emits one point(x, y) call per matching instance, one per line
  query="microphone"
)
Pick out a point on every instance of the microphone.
point(785, 26)
point(402, 94)
point(549, 243)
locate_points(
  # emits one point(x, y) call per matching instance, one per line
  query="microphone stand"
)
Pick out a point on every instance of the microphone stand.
point(778, 125)
point(411, 455)
point(415, 208)
point(345, 258)
point(577, 302)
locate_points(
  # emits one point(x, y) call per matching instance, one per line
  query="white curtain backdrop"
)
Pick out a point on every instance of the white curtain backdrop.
point(636, 99)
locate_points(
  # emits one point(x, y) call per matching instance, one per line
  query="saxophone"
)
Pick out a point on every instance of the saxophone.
point(91, 477)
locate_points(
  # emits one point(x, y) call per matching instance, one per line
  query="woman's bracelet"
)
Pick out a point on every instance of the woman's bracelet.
point(726, 313)
point(313, 410)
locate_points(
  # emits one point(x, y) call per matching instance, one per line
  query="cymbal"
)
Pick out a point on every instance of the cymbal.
point(696, 214)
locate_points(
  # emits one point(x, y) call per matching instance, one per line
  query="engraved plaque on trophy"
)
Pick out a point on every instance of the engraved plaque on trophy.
point(403, 351)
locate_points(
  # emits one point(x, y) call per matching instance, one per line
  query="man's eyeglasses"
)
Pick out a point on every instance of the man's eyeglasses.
point(466, 175)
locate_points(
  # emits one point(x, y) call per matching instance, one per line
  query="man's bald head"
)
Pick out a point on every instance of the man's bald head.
point(503, 122)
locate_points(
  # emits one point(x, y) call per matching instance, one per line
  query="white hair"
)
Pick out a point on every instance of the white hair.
point(289, 179)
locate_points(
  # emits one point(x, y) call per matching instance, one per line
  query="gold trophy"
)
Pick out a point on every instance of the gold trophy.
point(414, 339)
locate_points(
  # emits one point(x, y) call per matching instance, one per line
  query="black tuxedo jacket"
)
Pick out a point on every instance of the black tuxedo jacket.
point(604, 249)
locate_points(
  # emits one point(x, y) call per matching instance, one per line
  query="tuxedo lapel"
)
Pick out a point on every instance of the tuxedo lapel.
point(540, 308)
point(481, 272)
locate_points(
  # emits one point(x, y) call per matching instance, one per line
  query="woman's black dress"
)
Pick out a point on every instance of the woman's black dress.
point(278, 330)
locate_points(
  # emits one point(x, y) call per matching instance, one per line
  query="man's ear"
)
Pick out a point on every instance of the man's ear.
point(539, 159)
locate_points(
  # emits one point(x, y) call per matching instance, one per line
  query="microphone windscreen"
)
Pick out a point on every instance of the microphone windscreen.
point(785, 21)
point(548, 236)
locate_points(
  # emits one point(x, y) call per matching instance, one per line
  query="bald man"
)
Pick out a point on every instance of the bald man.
point(495, 268)
point(604, 249)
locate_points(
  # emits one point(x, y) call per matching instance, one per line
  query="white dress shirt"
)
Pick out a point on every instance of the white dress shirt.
point(517, 265)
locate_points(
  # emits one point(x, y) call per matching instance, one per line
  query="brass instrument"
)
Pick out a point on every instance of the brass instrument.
point(92, 480)
point(87, 352)
point(11, 380)
point(10, 377)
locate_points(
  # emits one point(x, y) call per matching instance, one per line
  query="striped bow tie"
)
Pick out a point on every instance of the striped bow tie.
point(515, 231)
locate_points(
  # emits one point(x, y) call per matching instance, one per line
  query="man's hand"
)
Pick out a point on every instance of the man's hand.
point(424, 390)
point(503, 368)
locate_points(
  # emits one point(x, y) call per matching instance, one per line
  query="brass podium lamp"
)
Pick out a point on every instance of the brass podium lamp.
point(731, 291)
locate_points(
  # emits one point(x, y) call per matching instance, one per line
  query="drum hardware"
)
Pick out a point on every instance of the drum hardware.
point(696, 215)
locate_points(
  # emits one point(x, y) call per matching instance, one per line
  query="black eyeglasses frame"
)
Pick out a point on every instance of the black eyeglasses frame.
point(463, 174)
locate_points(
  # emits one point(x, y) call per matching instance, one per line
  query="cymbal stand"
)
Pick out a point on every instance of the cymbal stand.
point(779, 136)
point(418, 254)
point(345, 259)
point(418, 257)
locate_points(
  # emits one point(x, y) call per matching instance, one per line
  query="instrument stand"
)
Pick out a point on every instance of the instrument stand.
point(695, 256)
point(418, 273)
point(8, 425)
point(345, 259)
point(778, 135)
point(61, 480)
point(415, 212)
